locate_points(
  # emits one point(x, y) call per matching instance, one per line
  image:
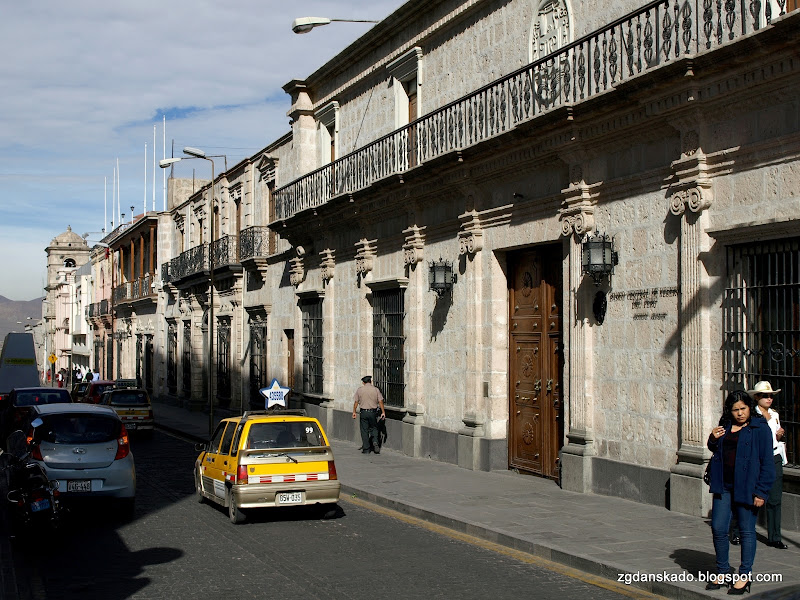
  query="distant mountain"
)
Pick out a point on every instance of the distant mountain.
point(12, 311)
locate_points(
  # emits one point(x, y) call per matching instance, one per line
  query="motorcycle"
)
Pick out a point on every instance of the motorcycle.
point(33, 499)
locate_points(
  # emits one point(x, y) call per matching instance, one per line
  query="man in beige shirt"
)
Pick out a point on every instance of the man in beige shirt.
point(370, 399)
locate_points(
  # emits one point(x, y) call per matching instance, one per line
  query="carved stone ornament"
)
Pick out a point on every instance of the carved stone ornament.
point(180, 221)
point(235, 192)
point(267, 167)
point(470, 238)
point(365, 256)
point(297, 272)
point(413, 248)
point(328, 263)
point(580, 221)
point(550, 29)
point(695, 198)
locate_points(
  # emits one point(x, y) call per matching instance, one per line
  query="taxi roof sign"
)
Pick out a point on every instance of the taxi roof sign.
point(274, 394)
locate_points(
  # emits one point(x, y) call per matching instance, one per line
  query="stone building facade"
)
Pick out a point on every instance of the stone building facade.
point(495, 139)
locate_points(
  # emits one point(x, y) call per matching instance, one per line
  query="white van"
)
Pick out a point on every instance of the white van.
point(17, 364)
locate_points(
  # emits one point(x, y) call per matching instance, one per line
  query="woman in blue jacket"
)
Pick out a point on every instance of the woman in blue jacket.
point(742, 473)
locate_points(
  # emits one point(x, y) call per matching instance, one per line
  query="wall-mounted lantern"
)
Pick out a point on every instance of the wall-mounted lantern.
point(441, 277)
point(598, 257)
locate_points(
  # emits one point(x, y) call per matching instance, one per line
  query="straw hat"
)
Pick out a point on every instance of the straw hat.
point(763, 387)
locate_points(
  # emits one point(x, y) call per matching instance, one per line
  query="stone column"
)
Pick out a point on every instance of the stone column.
point(471, 433)
point(577, 219)
point(413, 254)
point(689, 198)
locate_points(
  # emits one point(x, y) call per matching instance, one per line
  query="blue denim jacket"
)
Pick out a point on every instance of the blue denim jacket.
point(754, 472)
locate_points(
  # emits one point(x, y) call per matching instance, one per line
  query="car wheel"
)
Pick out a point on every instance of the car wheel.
point(198, 486)
point(235, 513)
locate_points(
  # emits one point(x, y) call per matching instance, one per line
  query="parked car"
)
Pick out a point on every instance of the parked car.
point(16, 411)
point(85, 448)
point(95, 390)
point(133, 407)
point(79, 391)
point(267, 459)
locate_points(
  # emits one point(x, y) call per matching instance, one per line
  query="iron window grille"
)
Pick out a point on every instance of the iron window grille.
point(388, 345)
point(258, 362)
point(762, 326)
point(172, 358)
point(312, 345)
point(187, 359)
point(224, 362)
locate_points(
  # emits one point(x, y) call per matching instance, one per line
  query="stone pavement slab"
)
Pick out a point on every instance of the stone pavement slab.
point(601, 535)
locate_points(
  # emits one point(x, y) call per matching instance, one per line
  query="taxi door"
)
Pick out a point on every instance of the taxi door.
point(213, 479)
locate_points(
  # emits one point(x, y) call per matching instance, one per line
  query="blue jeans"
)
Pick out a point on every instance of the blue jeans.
point(721, 512)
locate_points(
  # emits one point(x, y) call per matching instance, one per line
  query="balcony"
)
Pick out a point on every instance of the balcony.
point(660, 33)
point(138, 289)
point(225, 251)
point(97, 309)
point(255, 246)
point(187, 264)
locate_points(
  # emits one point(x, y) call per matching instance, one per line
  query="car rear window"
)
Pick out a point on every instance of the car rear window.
point(130, 398)
point(42, 397)
point(99, 389)
point(297, 434)
point(78, 428)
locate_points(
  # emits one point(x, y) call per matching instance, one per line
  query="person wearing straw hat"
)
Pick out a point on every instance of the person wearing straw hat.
point(763, 394)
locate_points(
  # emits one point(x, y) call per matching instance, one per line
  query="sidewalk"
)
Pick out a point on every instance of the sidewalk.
point(599, 535)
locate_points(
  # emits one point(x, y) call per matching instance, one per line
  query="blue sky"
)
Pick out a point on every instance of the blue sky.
point(84, 82)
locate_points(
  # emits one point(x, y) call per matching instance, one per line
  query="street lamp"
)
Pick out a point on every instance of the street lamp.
point(306, 24)
point(197, 153)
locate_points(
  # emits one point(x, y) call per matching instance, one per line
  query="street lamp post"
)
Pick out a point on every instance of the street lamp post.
point(197, 153)
point(306, 24)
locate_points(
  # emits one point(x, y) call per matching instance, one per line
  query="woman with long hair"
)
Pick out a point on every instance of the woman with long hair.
point(742, 473)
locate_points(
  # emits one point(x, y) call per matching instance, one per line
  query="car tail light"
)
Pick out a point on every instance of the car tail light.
point(332, 470)
point(36, 453)
point(241, 474)
point(123, 447)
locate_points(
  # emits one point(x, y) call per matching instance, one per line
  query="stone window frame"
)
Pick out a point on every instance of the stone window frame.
point(327, 118)
point(404, 69)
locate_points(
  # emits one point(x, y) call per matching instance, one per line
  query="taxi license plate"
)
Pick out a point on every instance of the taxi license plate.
point(79, 485)
point(290, 498)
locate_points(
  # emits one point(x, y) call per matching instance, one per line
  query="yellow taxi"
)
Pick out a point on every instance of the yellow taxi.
point(267, 459)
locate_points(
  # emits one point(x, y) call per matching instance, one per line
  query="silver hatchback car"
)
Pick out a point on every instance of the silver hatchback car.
point(85, 448)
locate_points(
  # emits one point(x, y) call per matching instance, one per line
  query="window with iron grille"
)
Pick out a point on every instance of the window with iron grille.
point(388, 341)
point(172, 358)
point(186, 359)
point(224, 361)
point(762, 326)
point(258, 362)
point(312, 345)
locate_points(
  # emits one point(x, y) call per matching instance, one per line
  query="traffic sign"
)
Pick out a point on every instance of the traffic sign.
point(52, 358)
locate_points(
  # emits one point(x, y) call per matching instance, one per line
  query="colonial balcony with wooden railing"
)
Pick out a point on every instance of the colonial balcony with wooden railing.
point(140, 288)
point(658, 34)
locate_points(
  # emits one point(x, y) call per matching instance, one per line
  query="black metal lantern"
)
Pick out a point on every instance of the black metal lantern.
point(598, 257)
point(441, 277)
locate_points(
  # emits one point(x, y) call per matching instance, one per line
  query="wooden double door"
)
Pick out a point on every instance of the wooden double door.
point(536, 424)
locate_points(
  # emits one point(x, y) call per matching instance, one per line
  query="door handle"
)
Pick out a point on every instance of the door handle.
point(538, 385)
point(549, 385)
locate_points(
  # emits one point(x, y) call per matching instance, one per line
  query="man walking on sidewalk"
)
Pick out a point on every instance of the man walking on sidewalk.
point(370, 399)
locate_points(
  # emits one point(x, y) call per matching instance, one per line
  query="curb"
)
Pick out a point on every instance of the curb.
point(583, 563)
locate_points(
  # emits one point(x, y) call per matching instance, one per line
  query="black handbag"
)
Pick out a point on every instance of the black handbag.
point(707, 474)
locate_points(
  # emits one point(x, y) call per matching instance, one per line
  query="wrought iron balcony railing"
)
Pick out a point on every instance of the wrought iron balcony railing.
point(97, 309)
point(254, 242)
point(135, 290)
point(225, 251)
point(166, 276)
point(660, 32)
point(191, 262)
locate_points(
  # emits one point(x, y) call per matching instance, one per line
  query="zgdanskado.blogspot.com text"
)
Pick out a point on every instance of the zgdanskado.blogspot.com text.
point(703, 576)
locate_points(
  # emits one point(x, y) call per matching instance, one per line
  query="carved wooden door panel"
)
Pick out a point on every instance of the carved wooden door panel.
point(535, 408)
